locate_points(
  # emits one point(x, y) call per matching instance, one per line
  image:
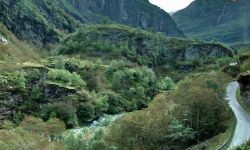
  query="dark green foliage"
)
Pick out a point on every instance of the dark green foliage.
point(86, 112)
point(36, 93)
point(64, 111)
point(178, 133)
point(136, 85)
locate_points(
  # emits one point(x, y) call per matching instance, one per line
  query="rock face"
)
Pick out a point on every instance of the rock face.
point(39, 21)
point(225, 20)
point(244, 81)
point(138, 13)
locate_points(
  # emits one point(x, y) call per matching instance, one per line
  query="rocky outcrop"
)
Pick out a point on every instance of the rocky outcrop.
point(244, 81)
point(13, 99)
point(224, 20)
point(10, 98)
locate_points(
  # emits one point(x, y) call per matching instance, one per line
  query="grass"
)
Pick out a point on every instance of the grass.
point(242, 102)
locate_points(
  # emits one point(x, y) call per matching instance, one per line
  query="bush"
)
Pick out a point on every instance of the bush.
point(75, 142)
point(64, 111)
point(17, 79)
point(50, 128)
point(65, 77)
point(86, 112)
point(166, 84)
point(136, 85)
point(101, 104)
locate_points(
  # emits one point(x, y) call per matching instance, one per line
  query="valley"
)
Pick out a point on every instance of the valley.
point(122, 75)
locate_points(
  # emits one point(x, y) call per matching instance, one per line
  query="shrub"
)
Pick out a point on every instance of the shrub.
point(18, 79)
point(60, 63)
point(166, 84)
point(101, 104)
point(65, 77)
point(64, 111)
point(75, 142)
point(86, 112)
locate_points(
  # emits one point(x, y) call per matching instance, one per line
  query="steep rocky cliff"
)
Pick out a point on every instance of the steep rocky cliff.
point(225, 20)
point(138, 13)
point(42, 21)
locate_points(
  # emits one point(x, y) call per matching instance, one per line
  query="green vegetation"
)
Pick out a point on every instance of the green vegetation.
point(65, 77)
point(173, 57)
point(158, 83)
point(174, 120)
point(245, 146)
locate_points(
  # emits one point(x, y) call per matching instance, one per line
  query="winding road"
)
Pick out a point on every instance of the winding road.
point(242, 131)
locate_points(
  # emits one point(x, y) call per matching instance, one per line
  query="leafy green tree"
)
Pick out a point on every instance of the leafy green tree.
point(179, 134)
point(64, 111)
point(101, 104)
point(166, 84)
point(86, 112)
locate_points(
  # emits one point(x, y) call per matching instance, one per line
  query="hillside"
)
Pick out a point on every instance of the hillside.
point(224, 20)
point(138, 46)
point(14, 50)
point(43, 22)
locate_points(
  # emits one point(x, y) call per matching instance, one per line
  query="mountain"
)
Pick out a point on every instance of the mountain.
point(138, 13)
point(224, 20)
point(43, 22)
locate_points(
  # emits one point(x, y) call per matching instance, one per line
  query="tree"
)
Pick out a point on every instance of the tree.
point(85, 112)
point(166, 84)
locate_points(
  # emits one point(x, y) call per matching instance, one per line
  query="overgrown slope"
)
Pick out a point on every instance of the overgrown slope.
point(14, 50)
point(225, 20)
point(138, 46)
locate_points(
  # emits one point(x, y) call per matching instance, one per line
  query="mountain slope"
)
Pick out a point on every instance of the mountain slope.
point(43, 21)
point(14, 50)
point(138, 13)
point(225, 20)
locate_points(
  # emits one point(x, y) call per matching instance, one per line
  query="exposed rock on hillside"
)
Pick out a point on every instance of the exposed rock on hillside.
point(244, 80)
point(42, 22)
point(116, 41)
point(138, 13)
